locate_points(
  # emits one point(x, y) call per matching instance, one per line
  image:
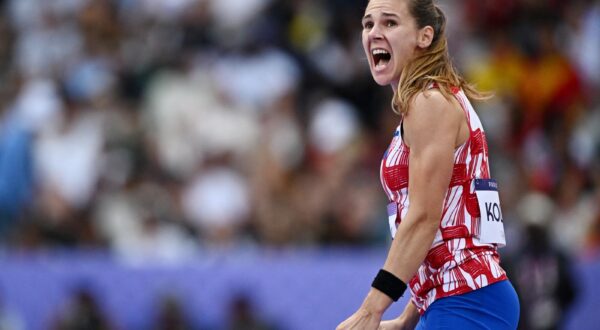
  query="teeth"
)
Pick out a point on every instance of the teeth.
point(378, 51)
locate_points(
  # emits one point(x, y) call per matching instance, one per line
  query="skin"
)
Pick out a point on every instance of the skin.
point(433, 128)
point(389, 25)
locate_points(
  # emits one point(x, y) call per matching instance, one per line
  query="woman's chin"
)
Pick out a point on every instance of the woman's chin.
point(381, 80)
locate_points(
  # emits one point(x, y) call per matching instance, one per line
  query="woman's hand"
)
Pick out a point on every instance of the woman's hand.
point(407, 321)
point(369, 314)
point(361, 320)
point(395, 324)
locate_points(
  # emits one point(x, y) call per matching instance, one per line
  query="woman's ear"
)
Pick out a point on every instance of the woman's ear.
point(425, 37)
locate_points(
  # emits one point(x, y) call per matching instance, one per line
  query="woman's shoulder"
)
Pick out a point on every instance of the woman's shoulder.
point(433, 104)
point(431, 113)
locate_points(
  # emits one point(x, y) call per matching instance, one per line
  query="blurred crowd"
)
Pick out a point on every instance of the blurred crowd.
point(156, 129)
point(84, 312)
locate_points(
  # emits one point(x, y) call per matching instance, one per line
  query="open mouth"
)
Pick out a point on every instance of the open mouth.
point(381, 57)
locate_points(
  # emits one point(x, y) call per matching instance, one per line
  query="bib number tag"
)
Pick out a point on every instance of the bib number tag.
point(392, 211)
point(491, 221)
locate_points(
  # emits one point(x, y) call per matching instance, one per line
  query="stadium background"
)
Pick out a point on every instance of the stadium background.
point(213, 164)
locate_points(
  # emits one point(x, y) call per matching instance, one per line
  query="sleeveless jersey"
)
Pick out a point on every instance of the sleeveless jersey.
point(457, 261)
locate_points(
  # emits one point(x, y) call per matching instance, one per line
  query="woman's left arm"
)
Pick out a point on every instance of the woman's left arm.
point(432, 130)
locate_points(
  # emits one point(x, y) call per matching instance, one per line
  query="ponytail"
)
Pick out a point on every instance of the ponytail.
point(431, 65)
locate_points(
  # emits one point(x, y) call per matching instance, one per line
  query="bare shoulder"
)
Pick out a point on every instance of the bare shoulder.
point(431, 104)
point(431, 113)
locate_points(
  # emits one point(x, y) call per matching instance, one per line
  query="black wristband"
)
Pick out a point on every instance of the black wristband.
point(389, 284)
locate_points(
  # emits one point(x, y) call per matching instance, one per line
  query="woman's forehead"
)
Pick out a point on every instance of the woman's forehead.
point(397, 7)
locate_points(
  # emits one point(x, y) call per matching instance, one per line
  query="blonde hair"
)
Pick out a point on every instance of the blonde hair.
point(433, 65)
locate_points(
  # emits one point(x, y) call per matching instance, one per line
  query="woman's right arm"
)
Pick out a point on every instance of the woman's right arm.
point(406, 321)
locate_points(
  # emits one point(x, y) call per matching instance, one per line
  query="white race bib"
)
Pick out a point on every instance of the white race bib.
point(392, 211)
point(491, 221)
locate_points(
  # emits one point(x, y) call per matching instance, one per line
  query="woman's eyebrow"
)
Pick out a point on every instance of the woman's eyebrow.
point(384, 14)
point(390, 15)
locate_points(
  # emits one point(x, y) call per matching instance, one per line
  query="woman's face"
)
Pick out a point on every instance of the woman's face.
point(389, 37)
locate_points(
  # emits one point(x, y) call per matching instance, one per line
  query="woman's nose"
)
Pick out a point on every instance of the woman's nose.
point(375, 33)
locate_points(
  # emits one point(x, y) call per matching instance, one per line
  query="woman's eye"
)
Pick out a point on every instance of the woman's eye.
point(390, 23)
point(368, 25)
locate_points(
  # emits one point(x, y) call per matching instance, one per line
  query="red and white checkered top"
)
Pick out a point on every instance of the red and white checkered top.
point(457, 261)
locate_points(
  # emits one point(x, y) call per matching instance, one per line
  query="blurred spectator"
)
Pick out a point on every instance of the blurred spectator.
point(541, 271)
point(141, 223)
point(242, 316)
point(217, 202)
point(593, 240)
point(82, 313)
point(183, 106)
point(236, 76)
point(576, 210)
point(16, 170)
point(582, 24)
point(171, 316)
point(68, 154)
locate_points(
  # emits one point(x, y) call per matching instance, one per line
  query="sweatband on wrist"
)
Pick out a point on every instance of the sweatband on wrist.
point(389, 284)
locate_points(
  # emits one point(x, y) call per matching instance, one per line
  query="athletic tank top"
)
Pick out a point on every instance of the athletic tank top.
point(457, 261)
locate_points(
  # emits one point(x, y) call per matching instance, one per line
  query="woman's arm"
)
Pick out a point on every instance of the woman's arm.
point(431, 129)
